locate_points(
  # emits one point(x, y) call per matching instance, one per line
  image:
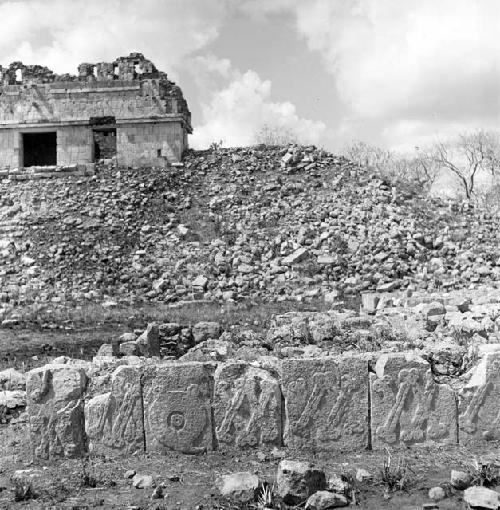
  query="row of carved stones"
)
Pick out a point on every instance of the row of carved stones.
point(330, 403)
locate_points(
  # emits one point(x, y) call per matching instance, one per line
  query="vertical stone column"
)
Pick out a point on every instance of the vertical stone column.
point(479, 399)
point(326, 402)
point(178, 407)
point(247, 406)
point(55, 402)
point(114, 419)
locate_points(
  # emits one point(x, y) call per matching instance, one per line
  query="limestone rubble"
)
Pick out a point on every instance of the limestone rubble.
point(232, 224)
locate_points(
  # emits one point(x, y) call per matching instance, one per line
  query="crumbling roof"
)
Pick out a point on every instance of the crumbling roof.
point(134, 67)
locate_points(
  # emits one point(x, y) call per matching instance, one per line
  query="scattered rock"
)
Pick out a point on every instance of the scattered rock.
point(323, 500)
point(482, 498)
point(437, 493)
point(148, 343)
point(142, 481)
point(362, 475)
point(237, 483)
point(206, 330)
point(460, 480)
point(297, 480)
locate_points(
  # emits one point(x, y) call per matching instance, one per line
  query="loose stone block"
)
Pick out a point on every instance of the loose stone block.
point(326, 402)
point(408, 406)
point(114, 420)
point(56, 411)
point(479, 401)
point(247, 406)
point(177, 407)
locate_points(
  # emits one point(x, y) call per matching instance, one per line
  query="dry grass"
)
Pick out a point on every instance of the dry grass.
point(396, 476)
point(238, 313)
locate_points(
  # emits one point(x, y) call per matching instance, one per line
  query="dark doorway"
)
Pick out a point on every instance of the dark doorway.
point(104, 143)
point(40, 149)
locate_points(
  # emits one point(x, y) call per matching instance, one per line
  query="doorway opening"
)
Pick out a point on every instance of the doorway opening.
point(104, 143)
point(39, 149)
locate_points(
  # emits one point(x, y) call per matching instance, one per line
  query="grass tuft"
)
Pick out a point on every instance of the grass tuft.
point(486, 474)
point(396, 476)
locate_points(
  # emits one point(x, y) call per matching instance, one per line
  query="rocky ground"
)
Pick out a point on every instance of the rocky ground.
point(239, 254)
point(408, 480)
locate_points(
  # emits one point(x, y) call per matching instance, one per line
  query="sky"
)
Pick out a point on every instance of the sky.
point(394, 73)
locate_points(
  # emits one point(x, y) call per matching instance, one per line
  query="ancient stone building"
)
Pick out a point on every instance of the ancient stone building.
point(125, 108)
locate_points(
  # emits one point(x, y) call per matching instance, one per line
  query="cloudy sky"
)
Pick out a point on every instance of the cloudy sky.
point(396, 73)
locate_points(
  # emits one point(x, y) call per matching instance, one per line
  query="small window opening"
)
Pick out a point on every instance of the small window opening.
point(158, 153)
point(19, 75)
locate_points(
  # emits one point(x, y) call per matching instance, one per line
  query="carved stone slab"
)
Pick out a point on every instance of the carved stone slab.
point(479, 401)
point(177, 407)
point(114, 420)
point(326, 402)
point(247, 406)
point(408, 406)
point(56, 411)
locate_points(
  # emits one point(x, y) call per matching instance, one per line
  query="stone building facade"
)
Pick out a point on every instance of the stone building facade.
point(125, 108)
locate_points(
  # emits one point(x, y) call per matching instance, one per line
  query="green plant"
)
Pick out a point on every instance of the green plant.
point(87, 474)
point(265, 496)
point(23, 491)
point(396, 476)
point(349, 477)
point(484, 473)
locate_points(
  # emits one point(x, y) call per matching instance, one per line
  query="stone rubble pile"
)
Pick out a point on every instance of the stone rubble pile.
point(258, 223)
point(350, 402)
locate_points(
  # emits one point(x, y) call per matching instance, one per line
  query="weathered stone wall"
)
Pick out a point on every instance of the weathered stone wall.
point(155, 144)
point(75, 101)
point(74, 145)
point(331, 403)
point(9, 148)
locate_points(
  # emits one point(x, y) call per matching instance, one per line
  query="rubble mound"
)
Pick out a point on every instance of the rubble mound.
point(260, 223)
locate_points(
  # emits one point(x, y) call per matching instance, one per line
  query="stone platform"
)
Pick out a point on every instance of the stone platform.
point(334, 403)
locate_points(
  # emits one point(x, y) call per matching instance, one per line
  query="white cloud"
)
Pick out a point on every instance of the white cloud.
point(63, 33)
point(406, 66)
point(243, 106)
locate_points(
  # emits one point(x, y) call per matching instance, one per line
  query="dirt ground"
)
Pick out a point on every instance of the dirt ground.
point(189, 480)
point(25, 349)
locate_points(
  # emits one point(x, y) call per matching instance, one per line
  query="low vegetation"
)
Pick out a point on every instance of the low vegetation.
point(396, 475)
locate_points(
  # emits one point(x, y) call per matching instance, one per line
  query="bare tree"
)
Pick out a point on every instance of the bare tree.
point(468, 155)
point(425, 170)
point(275, 135)
point(419, 169)
point(365, 154)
